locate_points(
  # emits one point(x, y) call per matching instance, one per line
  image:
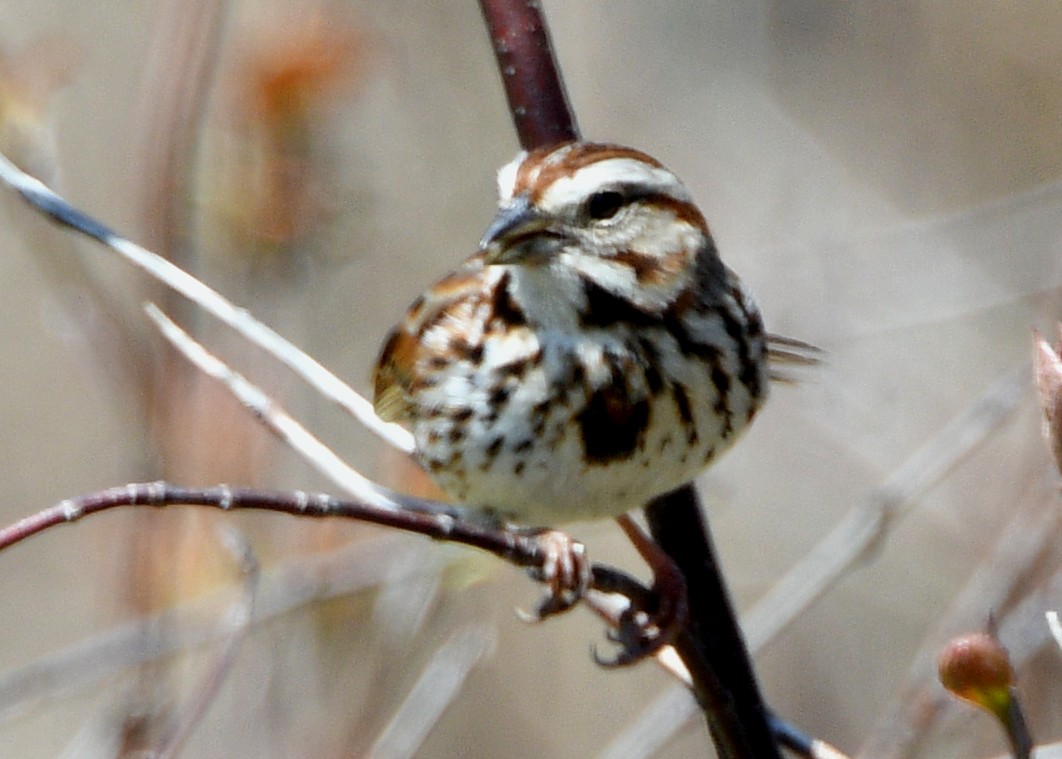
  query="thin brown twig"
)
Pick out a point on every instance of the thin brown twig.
point(402, 512)
point(415, 515)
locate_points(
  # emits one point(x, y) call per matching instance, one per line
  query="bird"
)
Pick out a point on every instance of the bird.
point(594, 353)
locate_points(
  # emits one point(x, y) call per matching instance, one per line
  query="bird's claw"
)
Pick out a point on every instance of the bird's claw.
point(565, 569)
point(641, 634)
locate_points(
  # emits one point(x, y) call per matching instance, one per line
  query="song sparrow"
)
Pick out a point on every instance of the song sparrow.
point(595, 353)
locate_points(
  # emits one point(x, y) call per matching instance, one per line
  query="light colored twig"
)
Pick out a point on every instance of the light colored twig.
point(859, 532)
point(1055, 626)
point(203, 621)
point(240, 617)
point(866, 525)
point(433, 692)
point(43, 199)
point(275, 419)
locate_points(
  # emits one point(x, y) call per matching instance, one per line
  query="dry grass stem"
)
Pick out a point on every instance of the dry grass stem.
point(866, 525)
point(204, 621)
point(436, 688)
point(275, 419)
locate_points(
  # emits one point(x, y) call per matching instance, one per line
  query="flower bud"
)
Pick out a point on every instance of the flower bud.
point(1048, 364)
point(976, 668)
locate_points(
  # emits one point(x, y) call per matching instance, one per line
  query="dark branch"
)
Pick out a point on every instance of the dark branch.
point(427, 518)
point(712, 648)
point(537, 99)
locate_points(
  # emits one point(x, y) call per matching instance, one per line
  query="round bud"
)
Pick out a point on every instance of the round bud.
point(977, 668)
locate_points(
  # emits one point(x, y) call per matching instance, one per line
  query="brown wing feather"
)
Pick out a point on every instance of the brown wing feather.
point(396, 368)
point(393, 376)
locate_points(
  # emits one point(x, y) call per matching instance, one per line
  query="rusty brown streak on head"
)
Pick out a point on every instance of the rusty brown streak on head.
point(544, 166)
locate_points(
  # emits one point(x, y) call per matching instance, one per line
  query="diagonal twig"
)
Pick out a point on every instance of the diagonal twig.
point(433, 692)
point(43, 199)
point(867, 524)
point(195, 623)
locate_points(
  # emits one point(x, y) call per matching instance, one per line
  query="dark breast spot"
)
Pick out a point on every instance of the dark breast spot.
point(499, 396)
point(603, 309)
point(491, 453)
point(682, 404)
point(503, 308)
point(612, 425)
point(685, 412)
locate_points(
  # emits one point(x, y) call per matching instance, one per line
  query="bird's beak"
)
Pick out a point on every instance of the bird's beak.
point(519, 234)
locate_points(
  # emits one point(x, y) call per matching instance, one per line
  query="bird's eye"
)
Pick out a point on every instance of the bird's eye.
point(604, 205)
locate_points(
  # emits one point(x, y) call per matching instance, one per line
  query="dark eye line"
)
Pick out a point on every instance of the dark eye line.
point(604, 204)
point(627, 194)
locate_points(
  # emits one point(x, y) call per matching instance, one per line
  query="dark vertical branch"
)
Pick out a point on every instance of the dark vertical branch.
point(537, 99)
point(713, 647)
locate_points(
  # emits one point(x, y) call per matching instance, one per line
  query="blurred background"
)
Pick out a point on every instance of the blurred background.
point(886, 177)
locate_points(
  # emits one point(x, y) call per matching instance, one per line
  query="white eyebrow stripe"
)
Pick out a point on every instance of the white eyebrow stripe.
point(611, 172)
point(507, 177)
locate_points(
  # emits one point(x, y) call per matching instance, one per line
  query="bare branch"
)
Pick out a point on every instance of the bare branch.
point(43, 199)
point(266, 410)
point(419, 516)
point(537, 99)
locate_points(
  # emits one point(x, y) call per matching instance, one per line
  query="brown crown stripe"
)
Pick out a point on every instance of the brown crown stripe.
point(570, 158)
